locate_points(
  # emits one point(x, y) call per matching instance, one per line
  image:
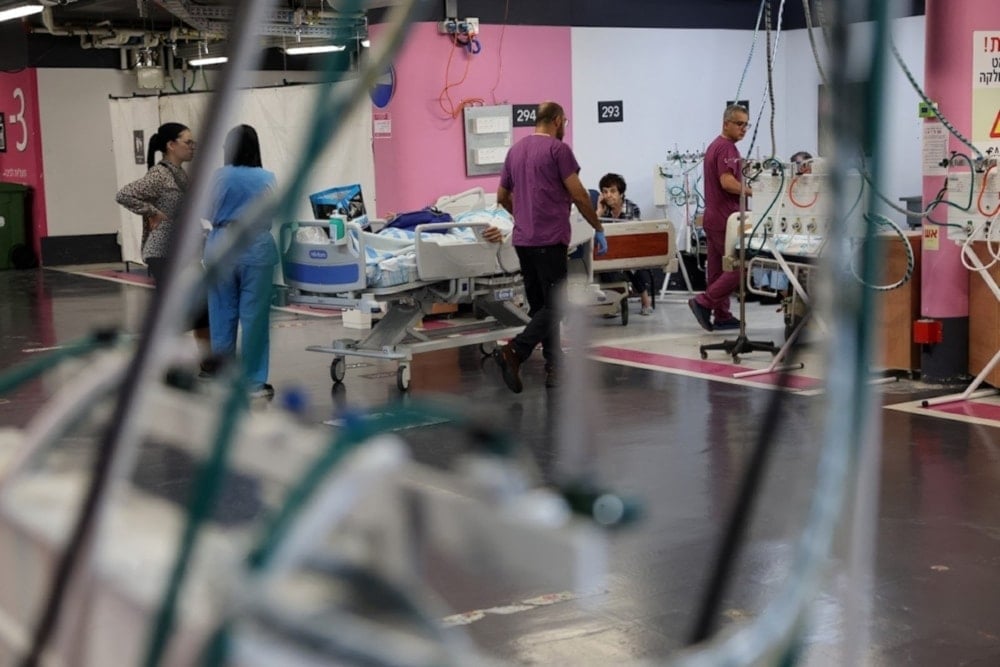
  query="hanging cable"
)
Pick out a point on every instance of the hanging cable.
point(930, 105)
point(772, 636)
point(823, 25)
point(753, 45)
point(791, 194)
point(205, 491)
point(770, 76)
point(991, 229)
point(777, 39)
point(451, 109)
point(812, 41)
point(982, 191)
point(882, 221)
point(967, 250)
point(503, 30)
point(119, 444)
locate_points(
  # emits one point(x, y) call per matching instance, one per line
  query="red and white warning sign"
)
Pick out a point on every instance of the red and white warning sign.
point(986, 89)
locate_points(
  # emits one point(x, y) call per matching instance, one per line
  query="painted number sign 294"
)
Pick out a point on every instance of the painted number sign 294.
point(525, 115)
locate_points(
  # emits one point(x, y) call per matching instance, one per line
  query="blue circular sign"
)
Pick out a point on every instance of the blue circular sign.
point(381, 93)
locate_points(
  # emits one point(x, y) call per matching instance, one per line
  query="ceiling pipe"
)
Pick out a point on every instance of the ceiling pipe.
point(115, 38)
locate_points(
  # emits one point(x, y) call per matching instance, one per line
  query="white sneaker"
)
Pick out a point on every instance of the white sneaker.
point(264, 391)
point(646, 310)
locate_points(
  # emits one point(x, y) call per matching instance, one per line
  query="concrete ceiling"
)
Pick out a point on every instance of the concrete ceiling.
point(56, 37)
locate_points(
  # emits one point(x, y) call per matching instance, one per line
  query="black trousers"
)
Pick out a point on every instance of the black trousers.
point(641, 279)
point(158, 267)
point(543, 269)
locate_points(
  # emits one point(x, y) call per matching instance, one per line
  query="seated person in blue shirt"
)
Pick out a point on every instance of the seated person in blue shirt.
point(612, 205)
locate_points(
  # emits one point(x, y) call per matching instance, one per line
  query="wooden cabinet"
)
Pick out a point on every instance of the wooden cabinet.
point(899, 308)
point(984, 317)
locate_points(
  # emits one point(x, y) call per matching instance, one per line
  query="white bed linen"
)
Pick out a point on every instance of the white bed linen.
point(390, 254)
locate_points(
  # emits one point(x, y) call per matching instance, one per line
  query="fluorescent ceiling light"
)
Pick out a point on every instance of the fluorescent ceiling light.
point(214, 60)
point(306, 50)
point(18, 12)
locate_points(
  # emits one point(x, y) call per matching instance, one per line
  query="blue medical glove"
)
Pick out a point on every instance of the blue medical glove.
point(602, 243)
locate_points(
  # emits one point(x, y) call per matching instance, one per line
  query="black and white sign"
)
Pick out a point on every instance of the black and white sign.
point(525, 115)
point(610, 112)
point(139, 146)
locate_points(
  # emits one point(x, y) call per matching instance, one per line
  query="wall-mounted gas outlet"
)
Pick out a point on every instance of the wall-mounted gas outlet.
point(456, 26)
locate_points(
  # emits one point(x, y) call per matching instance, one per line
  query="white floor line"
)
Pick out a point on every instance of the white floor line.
point(470, 617)
point(916, 408)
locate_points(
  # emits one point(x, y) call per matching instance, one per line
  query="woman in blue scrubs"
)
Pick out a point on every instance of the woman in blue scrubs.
point(241, 297)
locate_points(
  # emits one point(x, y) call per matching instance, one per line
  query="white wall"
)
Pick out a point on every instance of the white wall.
point(77, 153)
point(901, 150)
point(674, 84)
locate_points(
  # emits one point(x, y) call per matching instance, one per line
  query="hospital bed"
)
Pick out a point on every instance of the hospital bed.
point(632, 245)
point(449, 263)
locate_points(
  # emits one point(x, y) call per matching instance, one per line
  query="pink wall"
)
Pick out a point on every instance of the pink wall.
point(425, 156)
point(948, 81)
point(22, 161)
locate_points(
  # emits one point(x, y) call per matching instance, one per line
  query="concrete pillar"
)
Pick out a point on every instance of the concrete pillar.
point(948, 76)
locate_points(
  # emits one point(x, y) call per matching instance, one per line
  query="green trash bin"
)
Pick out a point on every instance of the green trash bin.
point(13, 235)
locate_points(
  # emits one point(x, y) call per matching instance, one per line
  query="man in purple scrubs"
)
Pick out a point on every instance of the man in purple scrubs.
point(723, 187)
point(539, 182)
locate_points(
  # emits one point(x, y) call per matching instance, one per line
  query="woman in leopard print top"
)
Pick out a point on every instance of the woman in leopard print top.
point(157, 195)
point(157, 198)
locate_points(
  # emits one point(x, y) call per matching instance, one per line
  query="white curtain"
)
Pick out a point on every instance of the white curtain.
point(281, 117)
point(127, 117)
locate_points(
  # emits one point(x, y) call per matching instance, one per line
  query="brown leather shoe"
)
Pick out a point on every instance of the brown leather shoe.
point(510, 368)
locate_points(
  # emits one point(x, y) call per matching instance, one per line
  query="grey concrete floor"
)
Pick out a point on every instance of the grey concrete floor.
point(678, 442)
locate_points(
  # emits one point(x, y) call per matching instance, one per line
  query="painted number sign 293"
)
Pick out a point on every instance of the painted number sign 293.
point(17, 119)
point(610, 112)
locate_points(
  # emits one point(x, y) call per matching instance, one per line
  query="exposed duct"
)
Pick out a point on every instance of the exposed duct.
point(214, 20)
point(182, 10)
point(109, 37)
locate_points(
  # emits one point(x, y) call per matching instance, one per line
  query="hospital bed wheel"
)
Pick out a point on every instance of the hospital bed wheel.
point(624, 309)
point(736, 358)
point(403, 377)
point(338, 368)
point(704, 354)
point(487, 349)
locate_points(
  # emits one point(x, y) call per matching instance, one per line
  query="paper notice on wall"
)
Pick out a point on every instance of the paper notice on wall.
point(381, 125)
point(932, 236)
point(935, 149)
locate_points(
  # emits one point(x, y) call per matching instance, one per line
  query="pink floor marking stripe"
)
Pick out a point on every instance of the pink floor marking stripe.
point(989, 411)
point(699, 366)
point(121, 275)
